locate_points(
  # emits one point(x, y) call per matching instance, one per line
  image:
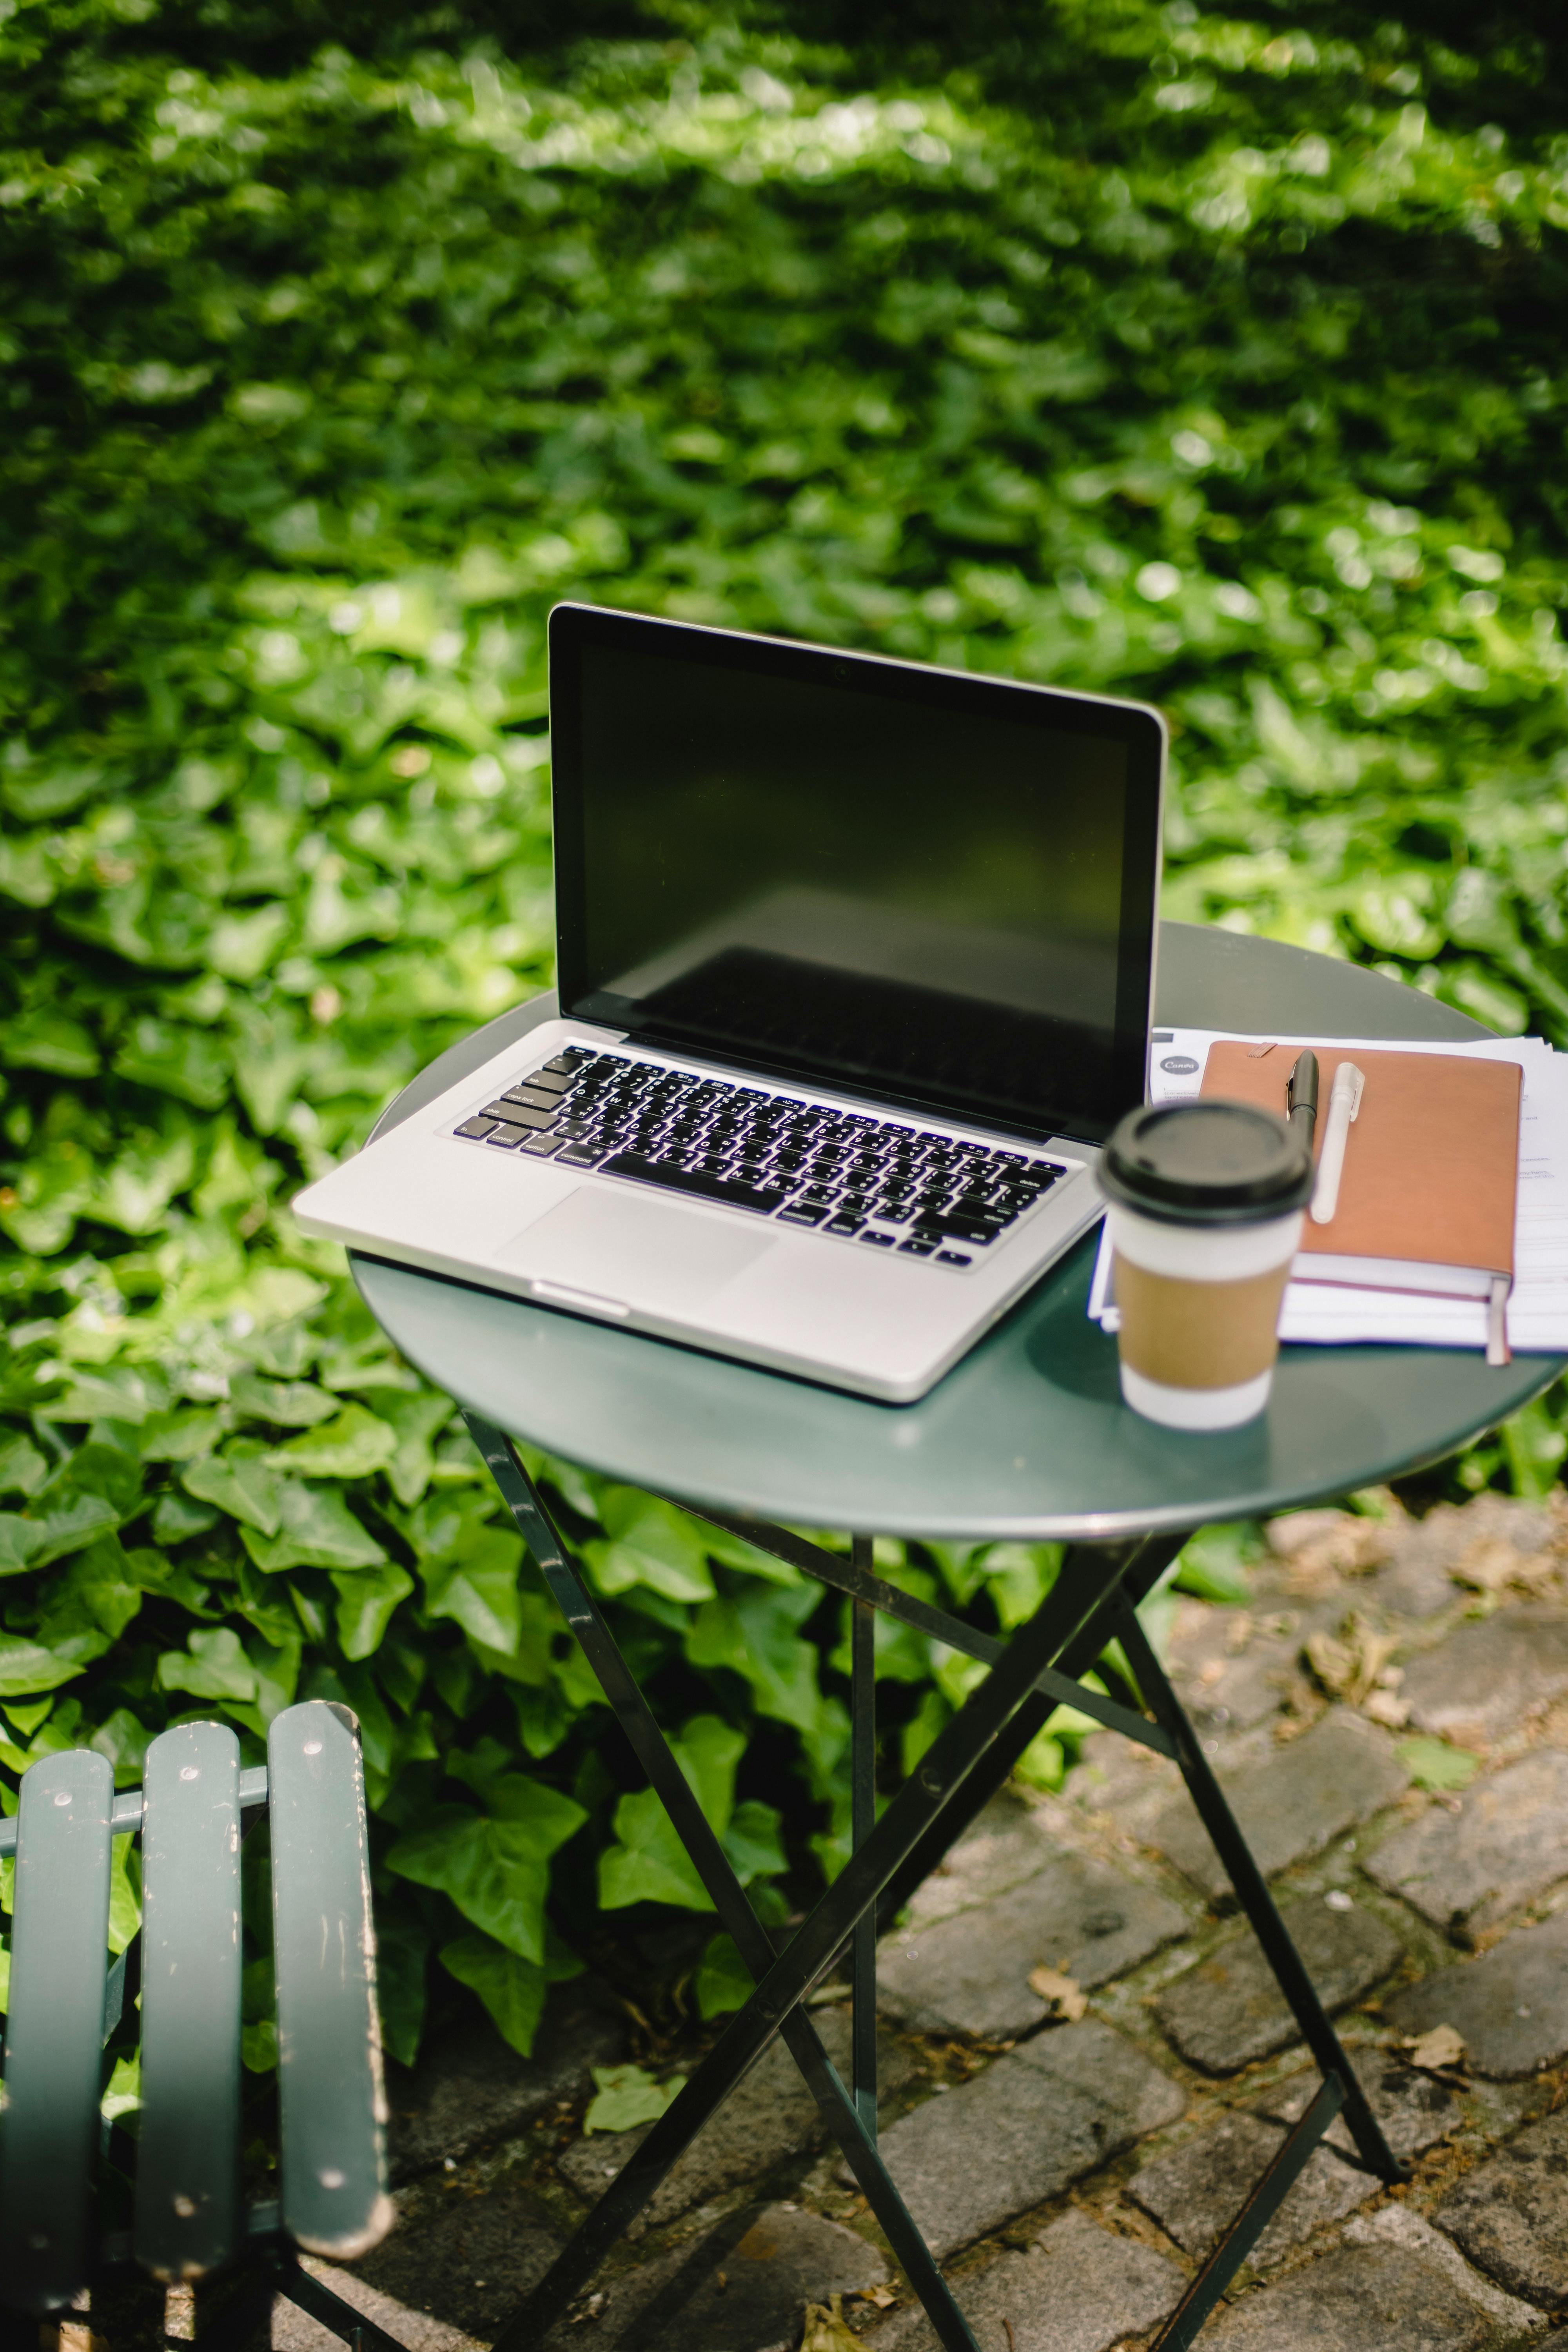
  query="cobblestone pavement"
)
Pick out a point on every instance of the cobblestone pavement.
point(1072, 2174)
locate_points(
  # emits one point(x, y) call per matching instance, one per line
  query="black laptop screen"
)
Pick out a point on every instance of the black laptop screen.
point(935, 890)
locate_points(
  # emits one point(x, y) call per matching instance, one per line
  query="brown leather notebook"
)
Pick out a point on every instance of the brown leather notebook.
point(1431, 1173)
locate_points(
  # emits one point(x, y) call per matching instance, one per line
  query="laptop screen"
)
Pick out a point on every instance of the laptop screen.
point(935, 889)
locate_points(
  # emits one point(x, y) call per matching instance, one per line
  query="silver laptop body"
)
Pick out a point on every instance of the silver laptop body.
point(856, 965)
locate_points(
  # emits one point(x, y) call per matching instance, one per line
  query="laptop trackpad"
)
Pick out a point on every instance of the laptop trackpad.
point(624, 1246)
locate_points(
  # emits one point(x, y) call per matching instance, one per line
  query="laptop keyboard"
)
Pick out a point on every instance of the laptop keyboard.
point(883, 1183)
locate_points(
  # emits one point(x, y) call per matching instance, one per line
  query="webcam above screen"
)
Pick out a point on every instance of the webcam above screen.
point(929, 887)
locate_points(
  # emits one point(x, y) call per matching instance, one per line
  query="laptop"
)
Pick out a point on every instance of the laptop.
point(855, 966)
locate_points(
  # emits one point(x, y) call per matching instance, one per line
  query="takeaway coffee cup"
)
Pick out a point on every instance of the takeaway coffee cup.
point(1205, 1202)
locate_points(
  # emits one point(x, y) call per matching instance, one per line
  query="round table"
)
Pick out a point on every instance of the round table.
point(1027, 1436)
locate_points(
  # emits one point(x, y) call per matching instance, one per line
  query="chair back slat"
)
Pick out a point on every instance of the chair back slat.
point(331, 2106)
point(187, 2168)
point(54, 2032)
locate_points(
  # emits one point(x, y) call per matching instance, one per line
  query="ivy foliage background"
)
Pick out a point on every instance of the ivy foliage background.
point(1212, 357)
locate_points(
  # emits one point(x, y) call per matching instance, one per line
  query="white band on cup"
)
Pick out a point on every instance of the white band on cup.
point(1203, 1253)
point(1195, 1408)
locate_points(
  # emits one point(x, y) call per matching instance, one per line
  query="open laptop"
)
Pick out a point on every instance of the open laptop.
point(855, 966)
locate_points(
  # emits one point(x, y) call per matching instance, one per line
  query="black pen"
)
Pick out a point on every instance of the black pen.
point(1301, 1096)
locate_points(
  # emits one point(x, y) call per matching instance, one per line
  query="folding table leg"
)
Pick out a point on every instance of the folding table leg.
point(862, 1822)
point(782, 1982)
point(1153, 1556)
point(524, 2328)
point(1257, 1903)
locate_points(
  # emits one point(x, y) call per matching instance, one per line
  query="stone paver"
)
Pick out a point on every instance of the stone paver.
point(1024, 2129)
point(740, 2287)
point(1228, 1667)
point(461, 2259)
point(1488, 1679)
point(1228, 2010)
point(1511, 2006)
point(1195, 2191)
point(294, 2330)
point(1011, 1838)
point(1416, 2110)
point(769, 2116)
point(1077, 2289)
point(1510, 2214)
point(1292, 1803)
point(1394, 2285)
point(969, 1973)
point(469, 2088)
point(1506, 1843)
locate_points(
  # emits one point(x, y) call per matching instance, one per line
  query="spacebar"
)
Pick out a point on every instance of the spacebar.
point(762, 1198)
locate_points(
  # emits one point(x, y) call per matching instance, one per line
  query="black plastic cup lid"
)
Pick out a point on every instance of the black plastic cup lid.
point(1210, 1162)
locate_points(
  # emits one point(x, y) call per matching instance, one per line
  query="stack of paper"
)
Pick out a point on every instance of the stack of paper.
point(1339, 1312)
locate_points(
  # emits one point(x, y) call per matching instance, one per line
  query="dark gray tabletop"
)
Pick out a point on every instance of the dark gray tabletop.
point(1027, 1438)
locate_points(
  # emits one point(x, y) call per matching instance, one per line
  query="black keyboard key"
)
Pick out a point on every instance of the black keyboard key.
point(916, 1248)
point(696, 1183)
point(893, 1213)
point(963, 1229)
point(817, 1193)
point(476, 1129)
point(531, 1099)
point(518, 1115)
point(883, 1241)
point(506, 1138)
point(842, 1225)
point(553, 1081)
point(802, 1213)
point(953, 1257)
point(581, 1155)
point(540, 1147)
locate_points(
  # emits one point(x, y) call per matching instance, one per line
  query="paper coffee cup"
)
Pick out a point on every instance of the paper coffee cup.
point(1204, 1201)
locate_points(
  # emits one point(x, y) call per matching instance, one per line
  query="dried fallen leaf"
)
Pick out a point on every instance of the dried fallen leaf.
point(1438, 2048)
point(1349, 1664)
point(882, 2296)
point(826, 2329)
point(1319, 1546)
point(1491, 1564)
point(1385, 1708)
point(1063, 1994)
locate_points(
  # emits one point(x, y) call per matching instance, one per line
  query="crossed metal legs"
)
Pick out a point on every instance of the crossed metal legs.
point(1094, 1598)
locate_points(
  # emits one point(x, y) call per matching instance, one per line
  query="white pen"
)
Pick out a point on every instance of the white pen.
point(1344, 1103)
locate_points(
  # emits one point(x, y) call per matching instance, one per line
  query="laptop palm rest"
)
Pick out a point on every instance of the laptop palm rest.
point(611, 1250)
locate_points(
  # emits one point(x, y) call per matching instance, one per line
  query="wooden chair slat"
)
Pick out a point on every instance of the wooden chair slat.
point(54, 2036)
point(332, 2104)
point(187, 2170)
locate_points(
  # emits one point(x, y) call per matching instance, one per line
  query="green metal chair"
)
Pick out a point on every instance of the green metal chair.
point(67, 2004)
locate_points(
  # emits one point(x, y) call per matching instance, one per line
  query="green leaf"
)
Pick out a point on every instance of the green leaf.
point(318, 1531)
point(1433, 1764)
point(349, 1447)
point(626, 2097)
point(239, 1482)
point(647, 1864)
point(478, 1590)
point(416, 1420)
point(755, 1635)
point(1018, 1576)
point(20, 1540)
point(512, 1989)
point(186, 1063)
point(23, 1468)
point(651, 1543)
point(723, 1982)
point(366, 1599)
point(402, 1951)
point(754, 1841)
point(183, 1434)
point(25, 1666)
point(295, 1404)
point(212, 1665)
point(88, 1605)
point(1214, 1562)
point(93, 1492)
point(495, 1871)
point(176, 1517)
point(258, 2046)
